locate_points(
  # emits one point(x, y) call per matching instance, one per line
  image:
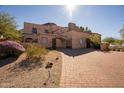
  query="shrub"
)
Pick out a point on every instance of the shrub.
point(95, 40)
point(113, 48)
point(35, 51)
point(109, 40)
point(8, 27)
point(122, 49)
point(116, 48)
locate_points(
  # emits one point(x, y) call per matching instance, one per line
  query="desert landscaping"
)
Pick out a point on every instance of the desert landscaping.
point(47, 55)
point(35, 75)
point(65, 68)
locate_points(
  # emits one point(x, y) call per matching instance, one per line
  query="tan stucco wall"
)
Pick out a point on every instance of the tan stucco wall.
point(74, 35)
point(49, 40)
point(40, 30)
point(77, 36)
point(58, 43)
point(68, 34)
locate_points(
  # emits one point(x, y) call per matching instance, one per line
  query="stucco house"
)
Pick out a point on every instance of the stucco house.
point(51, 35)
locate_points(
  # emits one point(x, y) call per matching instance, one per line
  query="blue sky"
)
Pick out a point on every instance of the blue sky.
point(106, 20)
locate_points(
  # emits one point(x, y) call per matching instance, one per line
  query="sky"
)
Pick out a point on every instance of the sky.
point(103, 19)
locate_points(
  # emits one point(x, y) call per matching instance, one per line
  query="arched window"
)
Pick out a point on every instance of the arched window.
point(34, 30)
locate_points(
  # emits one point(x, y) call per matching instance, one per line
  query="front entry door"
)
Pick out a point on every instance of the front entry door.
point(88, 43)
point(69, 44)
point(54, 43)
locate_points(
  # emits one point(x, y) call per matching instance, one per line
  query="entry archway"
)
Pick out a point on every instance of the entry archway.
point(58, 43)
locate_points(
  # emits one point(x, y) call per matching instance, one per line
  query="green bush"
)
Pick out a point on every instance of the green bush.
point(95, 40)
point(8, 27)
point(116, 48)
point(35, 51)
point(109, 40)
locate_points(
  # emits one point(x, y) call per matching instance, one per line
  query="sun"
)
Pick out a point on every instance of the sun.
point(70, 9)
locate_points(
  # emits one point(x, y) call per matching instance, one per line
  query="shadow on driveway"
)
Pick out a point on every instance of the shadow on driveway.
point(7, 61)
point(76, 52)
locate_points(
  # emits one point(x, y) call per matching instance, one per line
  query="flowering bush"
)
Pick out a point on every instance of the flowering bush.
point(10, 48)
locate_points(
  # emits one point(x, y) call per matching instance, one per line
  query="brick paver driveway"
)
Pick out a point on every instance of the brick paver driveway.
point(92, 69)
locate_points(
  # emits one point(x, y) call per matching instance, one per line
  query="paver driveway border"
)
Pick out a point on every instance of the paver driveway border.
point(93, 69)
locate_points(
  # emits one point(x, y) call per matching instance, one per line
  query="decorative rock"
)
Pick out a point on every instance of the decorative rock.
point(49, 65)
point(57, 58)
point(44, 84)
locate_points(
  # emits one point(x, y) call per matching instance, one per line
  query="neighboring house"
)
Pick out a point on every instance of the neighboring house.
point(51, 35)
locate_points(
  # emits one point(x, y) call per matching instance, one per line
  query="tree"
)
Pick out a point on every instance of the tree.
point(87, 30)
point(122, 32)
point(82, 29)
point(8, 27)
point(118, 42)
point(95, 40)
point(109, 39)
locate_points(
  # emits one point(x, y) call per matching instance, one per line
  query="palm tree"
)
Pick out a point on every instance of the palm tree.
point(82, 29)
point(86, 29)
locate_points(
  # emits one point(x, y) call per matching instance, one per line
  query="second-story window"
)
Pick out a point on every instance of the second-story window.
point(46, 31)
point(34, 30)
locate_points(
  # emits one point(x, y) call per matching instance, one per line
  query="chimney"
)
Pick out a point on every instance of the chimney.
point(71, 26)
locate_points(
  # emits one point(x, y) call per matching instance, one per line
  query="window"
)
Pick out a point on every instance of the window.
point(46, 31)
point(34, 30)
point(35, 41)
point(82, 41)
point(28, 39)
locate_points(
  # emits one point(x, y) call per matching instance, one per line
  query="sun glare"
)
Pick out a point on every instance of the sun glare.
point(70, 9)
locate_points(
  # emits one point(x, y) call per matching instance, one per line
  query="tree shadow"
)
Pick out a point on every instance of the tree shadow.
point(107, 51)
point(7, 61)
point(76, 52)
